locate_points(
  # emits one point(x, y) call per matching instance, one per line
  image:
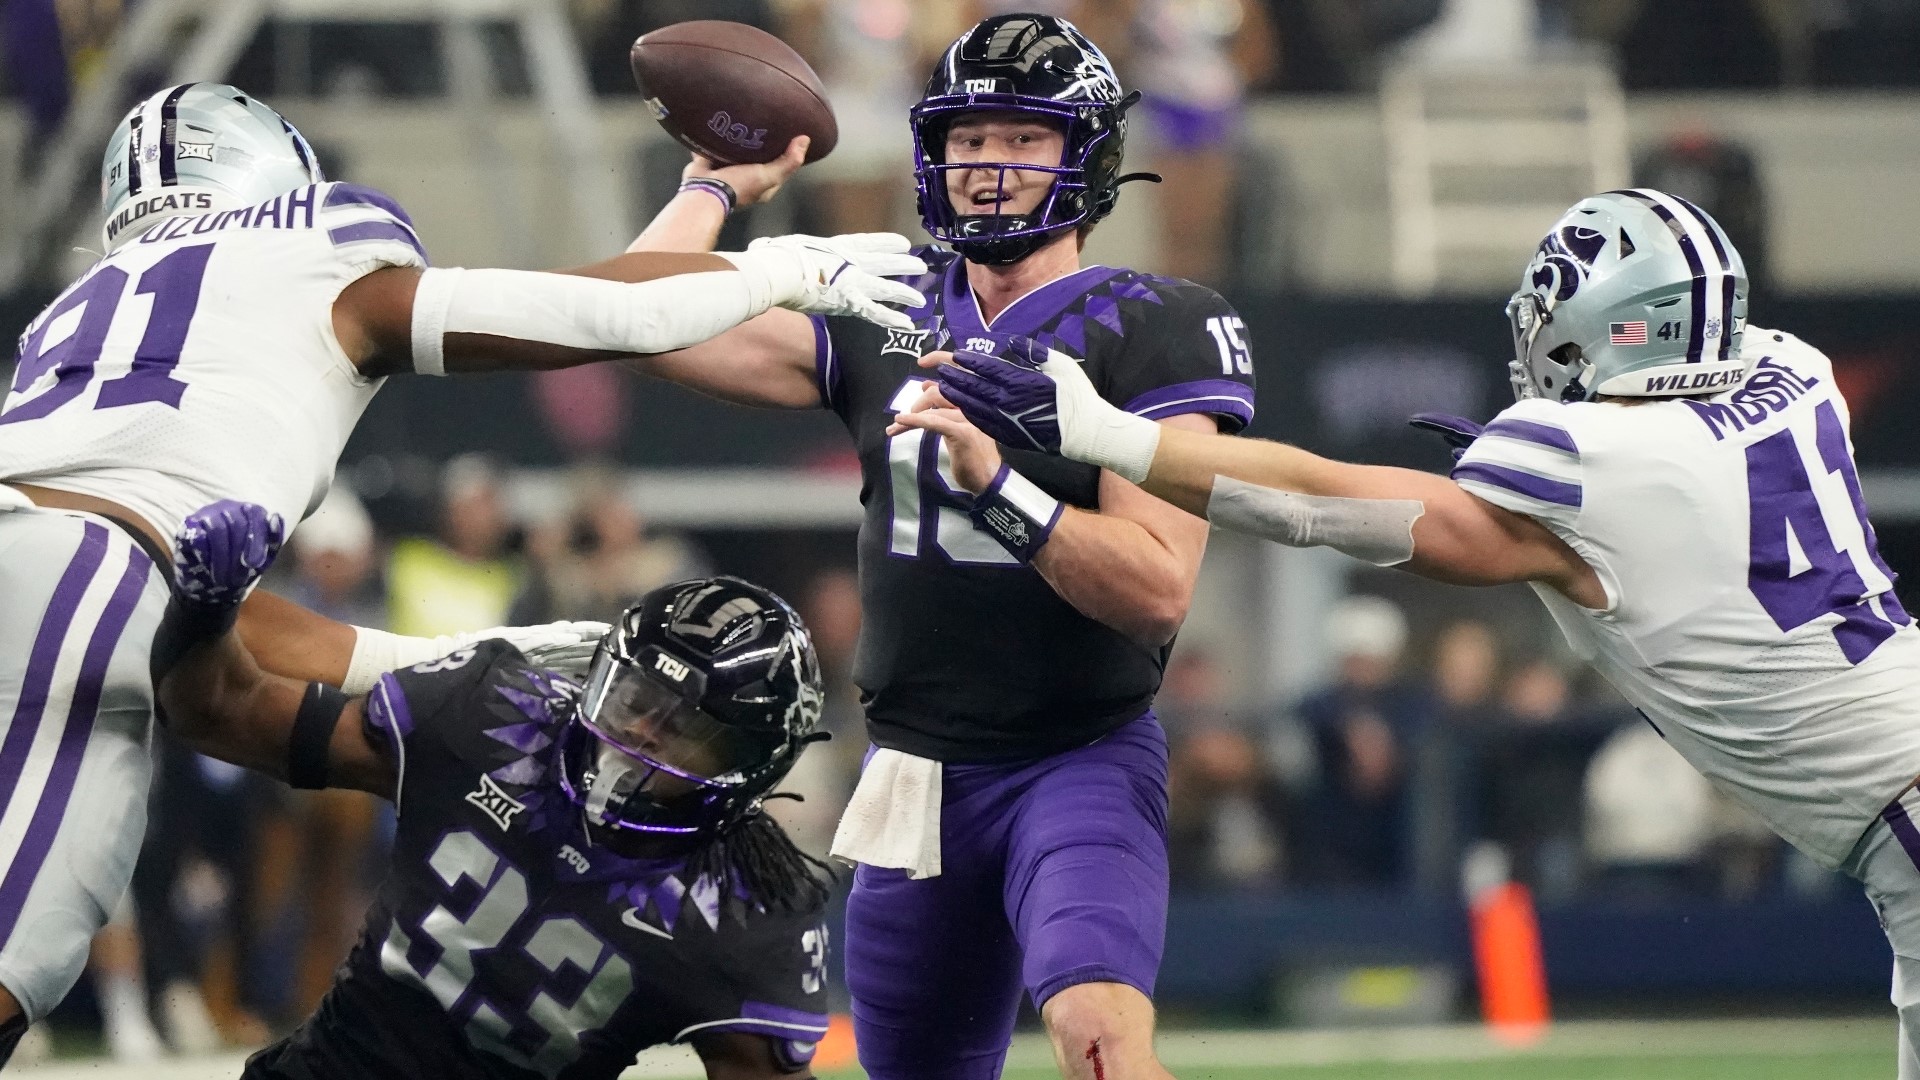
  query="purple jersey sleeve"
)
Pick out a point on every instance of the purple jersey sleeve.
point(1191, 353)
point(368, 229)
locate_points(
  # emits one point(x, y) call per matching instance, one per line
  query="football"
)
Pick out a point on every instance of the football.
point(732, 92)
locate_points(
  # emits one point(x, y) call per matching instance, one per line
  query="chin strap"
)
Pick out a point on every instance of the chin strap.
point(1149, 177)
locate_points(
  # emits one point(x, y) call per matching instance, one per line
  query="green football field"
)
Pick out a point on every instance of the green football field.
point(1833, 1049)
point(1842, 1066)
point(1770, 1049)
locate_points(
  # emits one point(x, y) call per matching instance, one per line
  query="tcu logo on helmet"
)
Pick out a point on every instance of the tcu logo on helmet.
point(738, 134)
point(1560, 266)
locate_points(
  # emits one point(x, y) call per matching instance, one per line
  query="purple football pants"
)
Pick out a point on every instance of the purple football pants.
point(1054, 873)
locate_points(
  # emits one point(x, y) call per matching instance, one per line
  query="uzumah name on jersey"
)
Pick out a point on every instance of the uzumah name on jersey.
point(294, 210)
point(1769, 389)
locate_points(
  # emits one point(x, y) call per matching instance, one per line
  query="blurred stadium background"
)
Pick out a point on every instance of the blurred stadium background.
point(1352, 749)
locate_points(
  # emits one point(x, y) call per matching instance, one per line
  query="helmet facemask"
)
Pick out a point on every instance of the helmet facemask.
point(644, 756)
point(1001, 237)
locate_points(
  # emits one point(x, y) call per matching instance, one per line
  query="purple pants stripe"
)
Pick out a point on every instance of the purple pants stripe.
point(1903, 830)
point(46, 653)
point(47, 817)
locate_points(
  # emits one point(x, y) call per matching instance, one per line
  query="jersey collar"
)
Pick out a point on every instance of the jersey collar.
point(1025, 316)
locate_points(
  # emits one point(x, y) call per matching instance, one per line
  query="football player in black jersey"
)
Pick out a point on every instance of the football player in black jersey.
point(1018, 609)
point(579, 872)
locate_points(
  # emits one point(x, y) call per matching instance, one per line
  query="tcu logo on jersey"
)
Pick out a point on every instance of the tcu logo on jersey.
point(980, 345)
point(738, 134)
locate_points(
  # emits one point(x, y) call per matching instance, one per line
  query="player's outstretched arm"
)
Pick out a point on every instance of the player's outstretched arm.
point(437, 321)
point(218, 700)
point(1393, 517)
point(768, 360)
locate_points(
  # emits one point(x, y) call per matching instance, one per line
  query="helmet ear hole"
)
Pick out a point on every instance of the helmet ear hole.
point(1568, 354)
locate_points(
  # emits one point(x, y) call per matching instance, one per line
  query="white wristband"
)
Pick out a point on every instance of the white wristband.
point(376, 652)
point(432, 298)
point(775, 275)
point(1123, 443)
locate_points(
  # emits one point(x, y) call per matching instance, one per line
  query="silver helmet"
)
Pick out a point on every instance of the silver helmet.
point(1633, 293)
point(194, 148)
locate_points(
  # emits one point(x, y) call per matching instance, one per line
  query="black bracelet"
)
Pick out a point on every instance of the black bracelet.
point(716, 187)
point(313, 726)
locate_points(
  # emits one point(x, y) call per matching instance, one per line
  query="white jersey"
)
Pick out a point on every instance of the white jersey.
point(1750, 616)
point(198, 362)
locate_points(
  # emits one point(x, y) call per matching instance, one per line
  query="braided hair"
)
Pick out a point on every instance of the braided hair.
point(758, 858)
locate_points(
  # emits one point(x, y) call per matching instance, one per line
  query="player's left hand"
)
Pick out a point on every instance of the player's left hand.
point(1458, 431)
point(221, 551)
point(975, 454)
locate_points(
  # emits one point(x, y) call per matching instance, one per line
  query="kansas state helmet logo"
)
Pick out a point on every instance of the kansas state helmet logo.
point(1561, 264)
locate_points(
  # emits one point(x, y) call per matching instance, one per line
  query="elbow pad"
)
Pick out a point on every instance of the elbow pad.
point(644, 317)
point(1377, 531)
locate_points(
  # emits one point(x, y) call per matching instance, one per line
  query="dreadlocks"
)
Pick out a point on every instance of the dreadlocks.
point(758, 857)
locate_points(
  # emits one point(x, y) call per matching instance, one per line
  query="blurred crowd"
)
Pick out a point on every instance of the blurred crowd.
point(1198, 62)
point(1402, 775)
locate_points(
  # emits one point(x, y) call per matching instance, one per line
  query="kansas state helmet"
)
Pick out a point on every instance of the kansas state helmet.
point(698, 701)
point(1030, 64)
point(1633, 293)
point(195, 148)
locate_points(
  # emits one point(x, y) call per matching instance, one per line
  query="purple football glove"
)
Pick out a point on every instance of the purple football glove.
point(1005, 394)
point(221, 550)
point(1458, 431)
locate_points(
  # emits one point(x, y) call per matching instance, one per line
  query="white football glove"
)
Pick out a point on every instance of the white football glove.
point(838, 275)
point(566, 647)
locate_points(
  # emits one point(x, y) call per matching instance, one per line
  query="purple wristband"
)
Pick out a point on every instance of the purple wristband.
point(715, 187)
point(1016, 513)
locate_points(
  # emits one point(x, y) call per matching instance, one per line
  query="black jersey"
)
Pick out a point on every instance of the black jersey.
point(504, 943)
point(967, 655)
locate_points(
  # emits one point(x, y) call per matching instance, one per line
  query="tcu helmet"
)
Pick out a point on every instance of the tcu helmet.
point(195, 148)
point(1633, 293)
point(699, 700)
point(1030, 64)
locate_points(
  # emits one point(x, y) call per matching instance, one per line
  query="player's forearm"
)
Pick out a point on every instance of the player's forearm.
point(1116, 572)
point(1448, 534)
point(292, 641)
point(218, 701)
point(691, 221)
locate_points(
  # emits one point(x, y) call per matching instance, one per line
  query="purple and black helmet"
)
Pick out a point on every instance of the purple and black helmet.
point(1031, 64)
point(699, 700)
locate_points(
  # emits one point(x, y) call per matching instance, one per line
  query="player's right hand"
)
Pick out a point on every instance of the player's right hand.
point(753, 184)
point(847, 275)
point(221, 551)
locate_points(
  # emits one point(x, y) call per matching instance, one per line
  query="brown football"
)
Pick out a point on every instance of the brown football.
point(730, 91)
